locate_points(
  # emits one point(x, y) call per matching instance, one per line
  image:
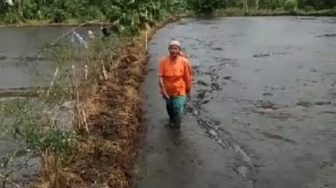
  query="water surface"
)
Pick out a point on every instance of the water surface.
point(263, 107)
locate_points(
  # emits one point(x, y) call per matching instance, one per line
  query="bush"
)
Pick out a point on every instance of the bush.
point(91, 13)
point(205, 6)
point(289, 5)
point(308, 8)
point(59, 16)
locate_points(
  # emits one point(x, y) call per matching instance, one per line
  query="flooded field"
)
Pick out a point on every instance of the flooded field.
point(20, 69)
point(19, 49)
point(262, 113)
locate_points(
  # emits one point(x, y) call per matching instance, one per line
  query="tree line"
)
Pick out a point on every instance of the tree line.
point(132, 10)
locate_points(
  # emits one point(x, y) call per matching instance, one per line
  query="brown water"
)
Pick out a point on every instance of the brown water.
point(263, 108)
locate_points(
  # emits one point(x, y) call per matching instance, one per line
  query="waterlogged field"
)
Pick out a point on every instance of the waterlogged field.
point(21, 61)
point(22, 66)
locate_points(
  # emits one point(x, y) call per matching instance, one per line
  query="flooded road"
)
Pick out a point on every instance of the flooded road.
point(263, 108)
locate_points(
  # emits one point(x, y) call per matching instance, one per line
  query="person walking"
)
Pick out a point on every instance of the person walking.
point(175, 80)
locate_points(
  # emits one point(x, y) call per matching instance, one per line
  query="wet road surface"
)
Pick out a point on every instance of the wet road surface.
point(263, 108)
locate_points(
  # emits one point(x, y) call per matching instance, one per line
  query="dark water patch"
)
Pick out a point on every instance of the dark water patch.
point(268, 94)
point(332, 35)
point(217, 48)
point(182, 23)
point(274, 88)
point(278, 137)
point(201, 82)
point(261, 55)
point(306, 104)
point(322, 103)
point(328, 112)
point(268, 105)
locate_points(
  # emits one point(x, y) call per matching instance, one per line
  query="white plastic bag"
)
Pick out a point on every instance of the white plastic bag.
point(77, 39)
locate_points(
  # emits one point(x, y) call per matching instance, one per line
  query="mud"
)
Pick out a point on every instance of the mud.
point(263, 108)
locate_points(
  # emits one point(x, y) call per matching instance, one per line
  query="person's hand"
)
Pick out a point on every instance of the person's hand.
point(165, 95)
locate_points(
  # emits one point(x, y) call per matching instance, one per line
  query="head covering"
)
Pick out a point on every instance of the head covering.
point(174, 43)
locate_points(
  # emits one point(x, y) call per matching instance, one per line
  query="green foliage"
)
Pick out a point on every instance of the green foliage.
point(308, 8)
point(23, 120)
point(129, 12)
point(205, 6)
point(290, 5)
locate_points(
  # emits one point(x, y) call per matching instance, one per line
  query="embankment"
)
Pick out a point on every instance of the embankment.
point(105, 154)
point(106, 149)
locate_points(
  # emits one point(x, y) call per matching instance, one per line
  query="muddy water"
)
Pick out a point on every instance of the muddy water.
point(19, 47)
point(263, 108)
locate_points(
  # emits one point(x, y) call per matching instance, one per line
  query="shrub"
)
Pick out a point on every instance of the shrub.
point(205, 6)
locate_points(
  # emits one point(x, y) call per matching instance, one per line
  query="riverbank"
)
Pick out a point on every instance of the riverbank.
point(107, 148)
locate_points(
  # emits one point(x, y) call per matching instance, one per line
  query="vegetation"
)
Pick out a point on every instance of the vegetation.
point(102, 84)
point(130, 11)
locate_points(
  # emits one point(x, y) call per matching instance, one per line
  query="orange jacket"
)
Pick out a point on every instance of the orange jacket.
point(177, 75)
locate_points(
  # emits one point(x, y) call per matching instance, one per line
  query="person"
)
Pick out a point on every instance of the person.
point(105, 32)
point(175, 81)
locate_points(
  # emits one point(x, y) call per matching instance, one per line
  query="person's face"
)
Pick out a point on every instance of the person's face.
point(174, 51)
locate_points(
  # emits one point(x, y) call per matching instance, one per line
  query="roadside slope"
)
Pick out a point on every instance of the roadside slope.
point(105, 155)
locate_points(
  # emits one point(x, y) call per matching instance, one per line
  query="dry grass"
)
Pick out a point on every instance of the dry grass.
point(107, 147)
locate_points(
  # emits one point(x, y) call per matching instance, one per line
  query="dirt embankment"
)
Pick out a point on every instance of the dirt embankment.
point(104, 156)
